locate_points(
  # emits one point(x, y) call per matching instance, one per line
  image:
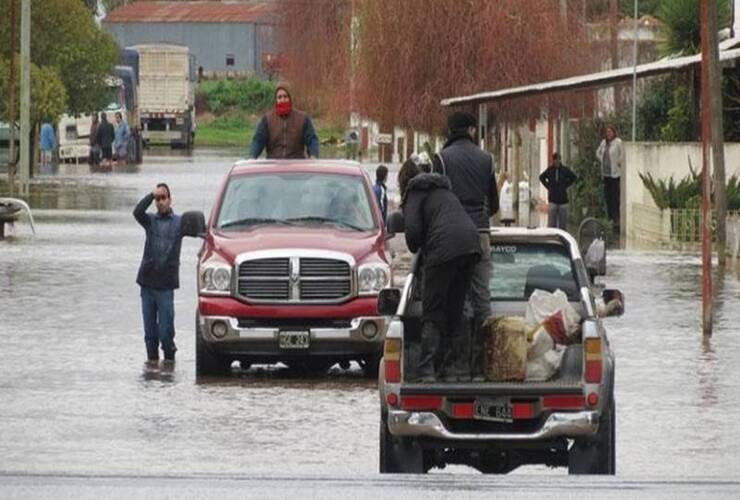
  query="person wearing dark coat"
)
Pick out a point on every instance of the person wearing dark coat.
point(557, 179)
point(472, 175)
point(437, 225)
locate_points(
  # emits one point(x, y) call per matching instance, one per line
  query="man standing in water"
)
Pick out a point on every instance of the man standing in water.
point(159, 272)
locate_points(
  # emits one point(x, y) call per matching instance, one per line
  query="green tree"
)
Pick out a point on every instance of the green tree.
point(48, 95)
point(64, 37)
point(681, 28)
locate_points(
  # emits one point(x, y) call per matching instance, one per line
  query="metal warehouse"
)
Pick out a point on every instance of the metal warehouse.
point(226, 38)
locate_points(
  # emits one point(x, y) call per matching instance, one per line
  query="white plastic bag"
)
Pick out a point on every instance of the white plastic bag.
point(595, 254)
point(541, 343)
point(554, 313)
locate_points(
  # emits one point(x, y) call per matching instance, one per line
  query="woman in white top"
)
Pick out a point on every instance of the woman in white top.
point(611, 156)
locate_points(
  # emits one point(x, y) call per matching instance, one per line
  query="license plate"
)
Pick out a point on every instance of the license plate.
point(495, 410)
point(294, 339)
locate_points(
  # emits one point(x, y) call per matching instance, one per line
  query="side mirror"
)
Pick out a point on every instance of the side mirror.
point(614, 302)
point(388, 300)
point(395, 223)
point(193, 224)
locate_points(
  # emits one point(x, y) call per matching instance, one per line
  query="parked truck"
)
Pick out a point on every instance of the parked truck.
point(166, 94)
point(293, 258)
point(565, 418)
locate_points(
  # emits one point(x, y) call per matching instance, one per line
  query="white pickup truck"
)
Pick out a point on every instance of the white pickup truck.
point(567, 420)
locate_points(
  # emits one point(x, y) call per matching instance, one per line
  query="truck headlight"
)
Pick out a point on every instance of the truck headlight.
point(371, 278)
point(215, 278)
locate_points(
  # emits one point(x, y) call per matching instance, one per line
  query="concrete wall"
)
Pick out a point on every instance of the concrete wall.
point(663, 160)
point(208, 42)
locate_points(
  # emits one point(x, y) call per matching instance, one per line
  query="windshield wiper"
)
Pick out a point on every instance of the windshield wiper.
point(251, 221)
point(326, 220)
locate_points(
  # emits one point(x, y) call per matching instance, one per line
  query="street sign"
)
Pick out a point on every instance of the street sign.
point(384, 139)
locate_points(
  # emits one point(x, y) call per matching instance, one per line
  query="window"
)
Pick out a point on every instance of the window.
point(520, 268)
point(229, 59)
point(297, 199)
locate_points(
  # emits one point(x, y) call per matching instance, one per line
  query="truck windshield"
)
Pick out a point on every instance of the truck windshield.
point(520, 268)
point(297, 198)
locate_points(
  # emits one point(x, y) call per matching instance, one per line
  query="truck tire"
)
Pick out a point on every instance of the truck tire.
point(598, 455)
point(207, 363)
point(399, 455)
point(370, 366)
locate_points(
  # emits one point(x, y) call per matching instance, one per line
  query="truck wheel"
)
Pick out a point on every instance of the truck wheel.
point(370, 366)
point(399, 455)
point(207, 363)
point(596, 456)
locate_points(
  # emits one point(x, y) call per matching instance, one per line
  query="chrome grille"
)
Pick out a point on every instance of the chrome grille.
point(324, 290)
point(295, 280)
point(265, 289)
point(265, 267)
point(324, 267)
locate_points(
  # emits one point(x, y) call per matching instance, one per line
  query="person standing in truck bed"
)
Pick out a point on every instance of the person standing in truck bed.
point(473, 180)
point(437, 226)
point(285, 132)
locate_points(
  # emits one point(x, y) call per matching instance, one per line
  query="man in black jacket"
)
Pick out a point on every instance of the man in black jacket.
point(437, 225)
point(473, 179)
point(159, 272)
point(557, 179)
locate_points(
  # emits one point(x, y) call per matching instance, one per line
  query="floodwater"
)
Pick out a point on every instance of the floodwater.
point(75, 399)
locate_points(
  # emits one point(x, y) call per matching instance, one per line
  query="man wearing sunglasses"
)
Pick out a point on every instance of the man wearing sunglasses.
point(159, 272)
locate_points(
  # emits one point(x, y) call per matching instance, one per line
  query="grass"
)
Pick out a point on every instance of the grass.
point(236, 128)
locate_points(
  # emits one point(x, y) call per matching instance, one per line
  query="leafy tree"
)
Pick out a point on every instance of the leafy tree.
point(64, 37)
point(644, 7)
point(681, 27)
point(652, 111)
point(48, 95)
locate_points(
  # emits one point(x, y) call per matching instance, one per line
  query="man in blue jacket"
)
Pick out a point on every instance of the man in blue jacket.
point(159, 272)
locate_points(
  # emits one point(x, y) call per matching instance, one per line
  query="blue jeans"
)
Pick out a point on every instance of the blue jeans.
point(158, 309)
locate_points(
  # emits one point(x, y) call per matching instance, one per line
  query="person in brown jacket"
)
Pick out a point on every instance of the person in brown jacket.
point(285, 132)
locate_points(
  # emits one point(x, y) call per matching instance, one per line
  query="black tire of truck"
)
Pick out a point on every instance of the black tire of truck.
point(206, 363)
point(370, 366)
point(399, 455)
point(597, 456)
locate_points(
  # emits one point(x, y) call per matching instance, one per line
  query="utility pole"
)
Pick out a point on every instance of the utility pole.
point(634, 76)
point(614, 47)
point(706, 137)
point(11, 103)
point(718, 147)
point(25, 160)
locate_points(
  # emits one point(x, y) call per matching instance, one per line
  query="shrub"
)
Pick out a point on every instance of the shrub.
point(251, 95)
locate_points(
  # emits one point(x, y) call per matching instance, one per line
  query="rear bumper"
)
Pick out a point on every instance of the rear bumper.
point(427, 424)
point(163, 135)
point(74, 151)
point(263, 342)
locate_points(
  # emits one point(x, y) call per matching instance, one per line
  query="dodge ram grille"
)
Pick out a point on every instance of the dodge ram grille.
point(295, 280)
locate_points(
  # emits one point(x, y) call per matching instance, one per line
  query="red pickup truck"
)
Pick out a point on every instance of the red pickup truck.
point(293, 258)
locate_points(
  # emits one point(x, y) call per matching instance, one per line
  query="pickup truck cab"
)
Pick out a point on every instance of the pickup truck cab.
point(567, 420)
point(293, 258)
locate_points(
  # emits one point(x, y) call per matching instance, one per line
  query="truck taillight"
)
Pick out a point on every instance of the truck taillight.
point(392, 360)
point(593, 361)
point(421, 403)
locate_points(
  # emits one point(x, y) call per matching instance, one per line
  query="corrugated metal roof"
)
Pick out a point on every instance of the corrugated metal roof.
point(592, 80)
point(190, 12)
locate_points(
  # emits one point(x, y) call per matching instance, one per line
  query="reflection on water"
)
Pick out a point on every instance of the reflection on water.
point(75, 398)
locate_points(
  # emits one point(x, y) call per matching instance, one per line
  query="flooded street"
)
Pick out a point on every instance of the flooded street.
point(75, 399)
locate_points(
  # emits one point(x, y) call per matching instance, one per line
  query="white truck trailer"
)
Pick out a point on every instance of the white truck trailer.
point(166, 94)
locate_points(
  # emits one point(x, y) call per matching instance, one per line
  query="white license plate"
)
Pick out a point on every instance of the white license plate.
point(290, 339)
point(495, 410)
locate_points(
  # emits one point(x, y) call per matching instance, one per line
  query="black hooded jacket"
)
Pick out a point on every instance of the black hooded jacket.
point(436, 222)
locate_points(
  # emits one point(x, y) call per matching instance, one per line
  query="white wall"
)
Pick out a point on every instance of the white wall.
point(664, 160)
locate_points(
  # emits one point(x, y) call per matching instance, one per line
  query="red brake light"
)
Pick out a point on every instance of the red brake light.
point(521, 411)
point(563, 402)
point(392, 371)
point(421, 402)
point(593, 361)
point(462, 410)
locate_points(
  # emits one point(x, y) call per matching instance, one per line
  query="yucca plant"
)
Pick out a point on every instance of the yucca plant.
point(672, 194)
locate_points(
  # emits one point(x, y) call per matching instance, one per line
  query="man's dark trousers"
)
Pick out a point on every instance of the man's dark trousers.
point(158, 309)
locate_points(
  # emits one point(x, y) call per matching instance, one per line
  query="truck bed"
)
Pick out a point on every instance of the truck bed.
point(558, 386)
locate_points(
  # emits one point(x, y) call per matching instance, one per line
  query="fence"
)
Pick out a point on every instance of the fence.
point(678, 229)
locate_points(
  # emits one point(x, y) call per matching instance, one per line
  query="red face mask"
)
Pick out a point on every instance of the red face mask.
point(283, 108)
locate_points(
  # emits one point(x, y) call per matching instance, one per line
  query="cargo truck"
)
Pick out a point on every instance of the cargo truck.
point(166, 94)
